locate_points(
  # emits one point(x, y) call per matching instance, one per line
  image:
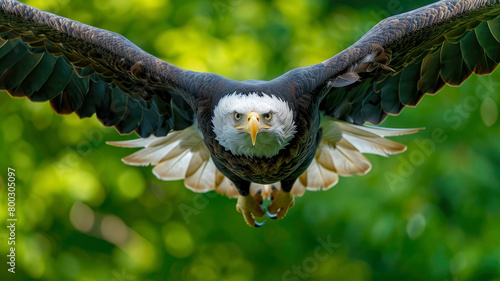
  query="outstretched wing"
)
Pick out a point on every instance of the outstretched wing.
point(86, 70)
point(405, 57)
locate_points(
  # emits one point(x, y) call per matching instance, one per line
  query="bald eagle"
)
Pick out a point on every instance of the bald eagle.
point(250, 139)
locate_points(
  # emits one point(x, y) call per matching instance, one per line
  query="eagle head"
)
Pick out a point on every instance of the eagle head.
point(253, 124)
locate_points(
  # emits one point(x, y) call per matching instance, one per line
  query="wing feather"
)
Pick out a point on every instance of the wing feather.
point(453, 68)
point(50, 58)
point(36, 78)
point(488, 42)
point(474, 55)
point(494, 26)
point(405, 57)
point(340, 152)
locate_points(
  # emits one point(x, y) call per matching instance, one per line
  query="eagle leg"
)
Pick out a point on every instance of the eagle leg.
point(249, 206)
point(281, 201)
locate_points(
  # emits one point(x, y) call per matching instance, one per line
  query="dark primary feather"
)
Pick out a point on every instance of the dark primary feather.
point(442, 43)
point(83, 69)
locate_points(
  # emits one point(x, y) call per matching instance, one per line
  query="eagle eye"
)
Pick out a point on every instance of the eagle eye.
point(268, 116)
point(236, 116)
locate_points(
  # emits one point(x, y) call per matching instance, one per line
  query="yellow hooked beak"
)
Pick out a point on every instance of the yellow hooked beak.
point(253, 125)
point(252, 128)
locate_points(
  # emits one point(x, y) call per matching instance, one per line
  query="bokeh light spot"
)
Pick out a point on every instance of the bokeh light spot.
point(489, 111)
point(177, 240)
point(415, 226)
point(137, 252)
point(131, 183)
point(12, 128)
point(458, 263)
point(83, 186)
point(22, 156)
point(34, 253)
point(82, 217)
point(114, 230)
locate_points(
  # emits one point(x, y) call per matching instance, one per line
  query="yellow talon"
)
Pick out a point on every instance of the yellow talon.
point(249, 206)
point(282, 201)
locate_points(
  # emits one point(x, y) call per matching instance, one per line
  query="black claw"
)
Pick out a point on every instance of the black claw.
point(271, 216)
point(259, 224)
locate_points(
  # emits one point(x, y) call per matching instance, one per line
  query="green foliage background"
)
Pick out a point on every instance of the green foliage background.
point(430, 213)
